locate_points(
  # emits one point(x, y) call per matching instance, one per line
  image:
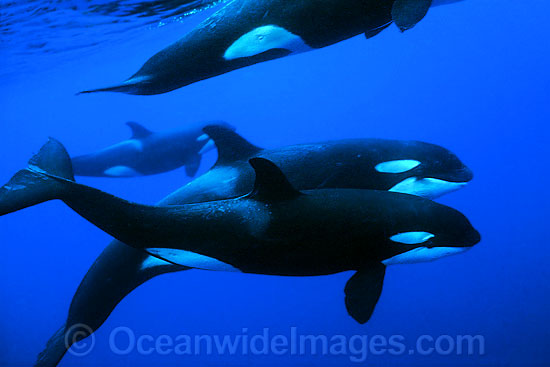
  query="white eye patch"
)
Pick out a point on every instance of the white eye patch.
point(265, 38)
point(412, 238)
point(398, 166)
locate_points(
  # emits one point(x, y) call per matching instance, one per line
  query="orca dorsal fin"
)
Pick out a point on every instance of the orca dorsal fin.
point(271, 183)
point(230, 145)
point(406, 13)
point(138, 131)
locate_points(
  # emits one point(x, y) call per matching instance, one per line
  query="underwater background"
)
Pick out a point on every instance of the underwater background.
point(472, 77)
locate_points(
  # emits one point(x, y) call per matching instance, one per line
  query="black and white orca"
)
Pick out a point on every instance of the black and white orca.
point(410, 167)
point(149, 153)
point(405, 166)
point(275, 229)
point(246, 32)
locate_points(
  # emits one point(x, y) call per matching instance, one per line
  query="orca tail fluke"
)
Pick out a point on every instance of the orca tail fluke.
point(130, 86)
point(42, 180)
point(54, 351)
point(122, 88)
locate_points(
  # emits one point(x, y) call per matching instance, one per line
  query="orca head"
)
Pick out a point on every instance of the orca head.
point(424, 170)
point(441, 232)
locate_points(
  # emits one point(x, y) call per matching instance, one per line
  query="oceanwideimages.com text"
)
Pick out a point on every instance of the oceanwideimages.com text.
point(124, 341)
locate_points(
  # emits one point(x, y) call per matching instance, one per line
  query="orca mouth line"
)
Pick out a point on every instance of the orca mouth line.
point(456, 175)
point(449, 179)
point(462, 175)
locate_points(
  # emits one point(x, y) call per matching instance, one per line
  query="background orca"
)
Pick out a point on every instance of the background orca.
point(274, 230)
point(410, 167)
point(246, 32)
point(148, 153)
point(350, 163)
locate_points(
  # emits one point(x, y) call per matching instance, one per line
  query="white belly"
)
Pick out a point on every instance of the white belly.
point(191, 259)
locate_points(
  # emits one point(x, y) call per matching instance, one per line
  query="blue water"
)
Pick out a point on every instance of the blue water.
point(472, 77)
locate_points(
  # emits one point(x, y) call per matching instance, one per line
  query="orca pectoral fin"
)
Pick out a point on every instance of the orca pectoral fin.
point(363, 290)
point(192, 165)
point(406, 13)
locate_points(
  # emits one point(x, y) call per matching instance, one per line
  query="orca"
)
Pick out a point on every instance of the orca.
point(411, 167)
point(119, 269)
point(246, 32)
point(274, 230)
point(149, 153)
